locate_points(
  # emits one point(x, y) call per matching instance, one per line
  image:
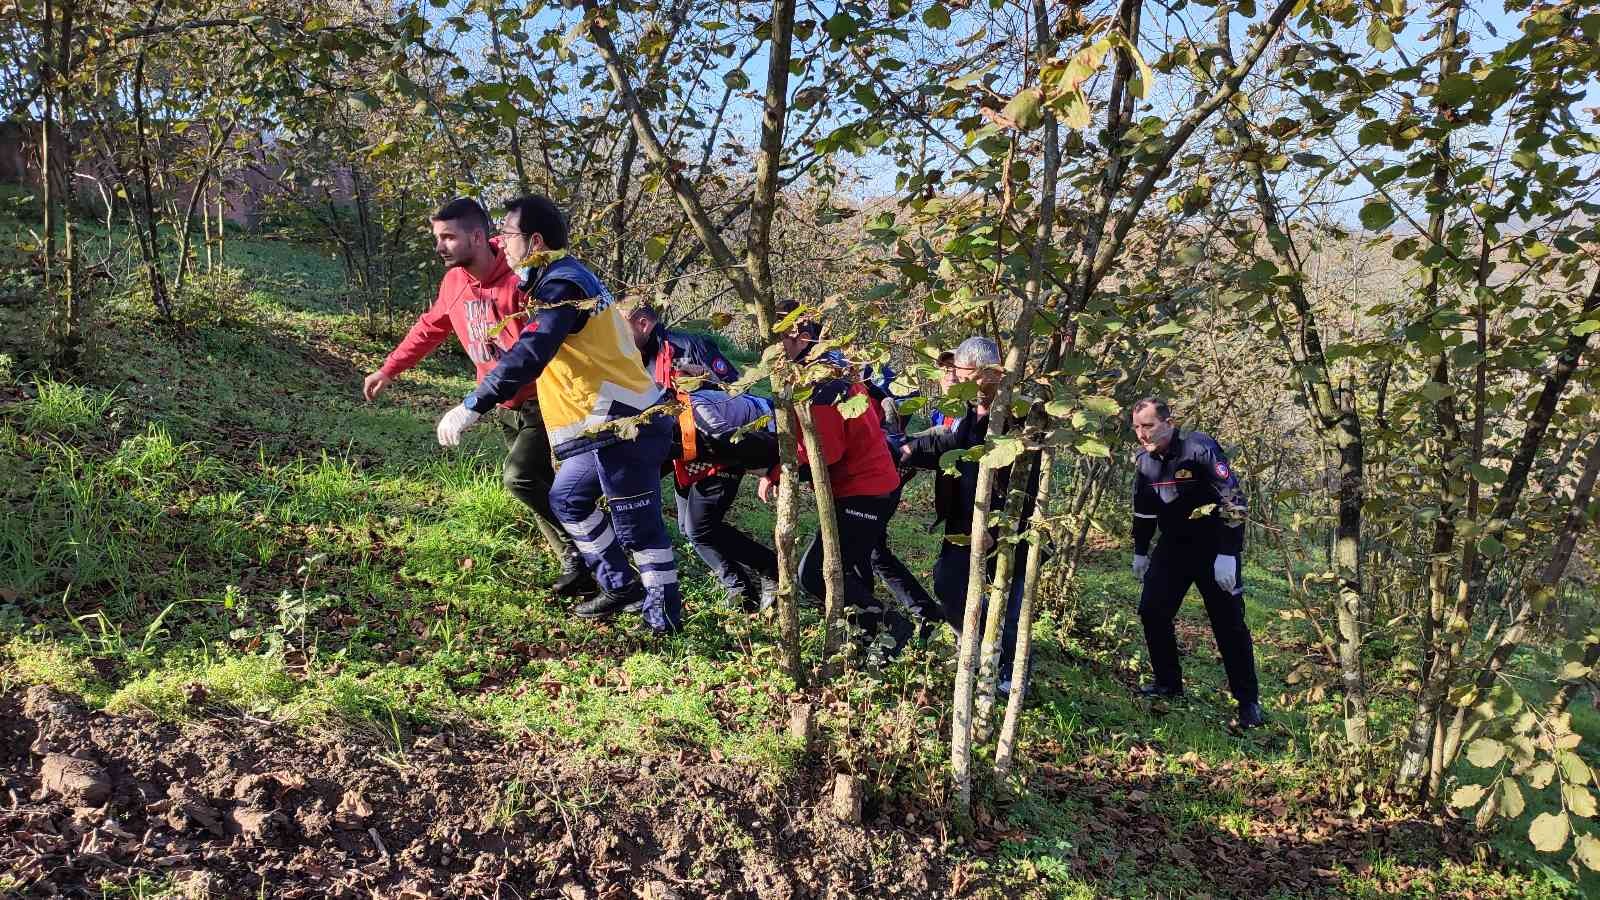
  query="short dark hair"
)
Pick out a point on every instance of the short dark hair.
point(1163, 412)
point(806, 326)
point(644, 308)
point(537, 214)
point(466, 210)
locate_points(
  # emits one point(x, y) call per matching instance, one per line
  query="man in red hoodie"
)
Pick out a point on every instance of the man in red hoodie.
point(479, 291)
point(866, 487)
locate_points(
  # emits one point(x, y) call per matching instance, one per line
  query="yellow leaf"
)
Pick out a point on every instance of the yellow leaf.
point(1578, 800)
point(1588, 848)
point(1466, 795)
point(1539, 776)
point(1511, 802)
point(1549, 832)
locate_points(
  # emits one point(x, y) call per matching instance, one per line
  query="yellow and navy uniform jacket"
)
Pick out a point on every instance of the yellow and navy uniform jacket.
point(1171, 486)
point(578, 347)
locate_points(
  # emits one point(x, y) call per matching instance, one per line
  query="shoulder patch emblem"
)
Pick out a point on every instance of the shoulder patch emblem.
point(720, 366)
point(1222, 470)
point(1182, 475)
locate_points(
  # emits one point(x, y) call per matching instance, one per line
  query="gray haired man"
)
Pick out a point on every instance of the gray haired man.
point(976, 360)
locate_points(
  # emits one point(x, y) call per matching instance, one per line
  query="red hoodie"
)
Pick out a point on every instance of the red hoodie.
point(471, 308)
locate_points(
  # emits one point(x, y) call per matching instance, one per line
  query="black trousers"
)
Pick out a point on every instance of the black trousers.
point(1173, 568)
point(529, 472)
point(950, 572)
point(903, 585)
point(863, 522)
point(734, 558)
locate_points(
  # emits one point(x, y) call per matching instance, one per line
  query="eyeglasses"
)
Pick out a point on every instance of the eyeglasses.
point(509, 232)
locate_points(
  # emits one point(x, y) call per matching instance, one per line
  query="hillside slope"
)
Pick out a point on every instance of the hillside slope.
point(313, 654)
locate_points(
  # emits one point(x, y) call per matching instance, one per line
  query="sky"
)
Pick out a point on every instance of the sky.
point(1488, 22)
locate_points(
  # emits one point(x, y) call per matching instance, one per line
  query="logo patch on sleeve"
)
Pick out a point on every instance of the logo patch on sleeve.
point(720, 366)
point(1222, 470)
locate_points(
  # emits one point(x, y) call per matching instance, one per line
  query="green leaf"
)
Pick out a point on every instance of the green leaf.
point(1075, 111)
point(1549, 832)
point(787, 322)
point(1573, 670)
point(948, 460)
point(736, 79)
point(1092, 447)
point(936, 16)
point(1485, 752)
point(854, 406)
point(1164, 330)
point(655, 247)
point(1491, 547)
point(1587, 326)
point(1103, 406)
point(1004, 452)
point(1486, 475)
point(1379, 35)
point(1466, 796)
point(1024, 108)
point(1377, 215)
point(841, 26)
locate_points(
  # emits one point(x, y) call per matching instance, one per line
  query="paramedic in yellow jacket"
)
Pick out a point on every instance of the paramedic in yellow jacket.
point(579, 349)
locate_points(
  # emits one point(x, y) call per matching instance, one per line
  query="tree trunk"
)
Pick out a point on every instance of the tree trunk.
point(1537, 592)
point(1005, 747)
point(1414, 763)
point(999, 594)
point(152, 261)
point(783, 536)
point(196, 196)
point(833, 631)
point(46, 170)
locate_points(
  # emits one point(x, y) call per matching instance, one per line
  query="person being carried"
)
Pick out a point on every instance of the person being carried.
point(708, 482)
point(603, 412)
point(479, 291)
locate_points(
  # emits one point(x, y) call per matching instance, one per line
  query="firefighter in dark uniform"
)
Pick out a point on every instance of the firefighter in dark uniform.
point(745, 567)
point(1184, 487)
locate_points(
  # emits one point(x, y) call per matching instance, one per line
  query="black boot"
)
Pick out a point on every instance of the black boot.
point(759, 596)
point(1251, 715)
point(605, 605)
point(575, 580)
point(1158, 692)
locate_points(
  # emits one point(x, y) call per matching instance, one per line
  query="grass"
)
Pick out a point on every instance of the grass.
point(214, 518)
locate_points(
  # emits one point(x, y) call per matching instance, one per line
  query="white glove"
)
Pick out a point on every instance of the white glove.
point(1141, 565)
point(454, 422)
point(1226, 571)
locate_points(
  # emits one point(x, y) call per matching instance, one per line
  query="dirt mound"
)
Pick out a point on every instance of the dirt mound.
point(239, 806)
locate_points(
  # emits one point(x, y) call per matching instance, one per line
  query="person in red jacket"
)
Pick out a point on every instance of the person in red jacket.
point(479, 291)
point(866, 489)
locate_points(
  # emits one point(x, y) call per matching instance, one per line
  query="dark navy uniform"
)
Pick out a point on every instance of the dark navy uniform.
point(683, 348)
point(1191, 494)
point(745, 567)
